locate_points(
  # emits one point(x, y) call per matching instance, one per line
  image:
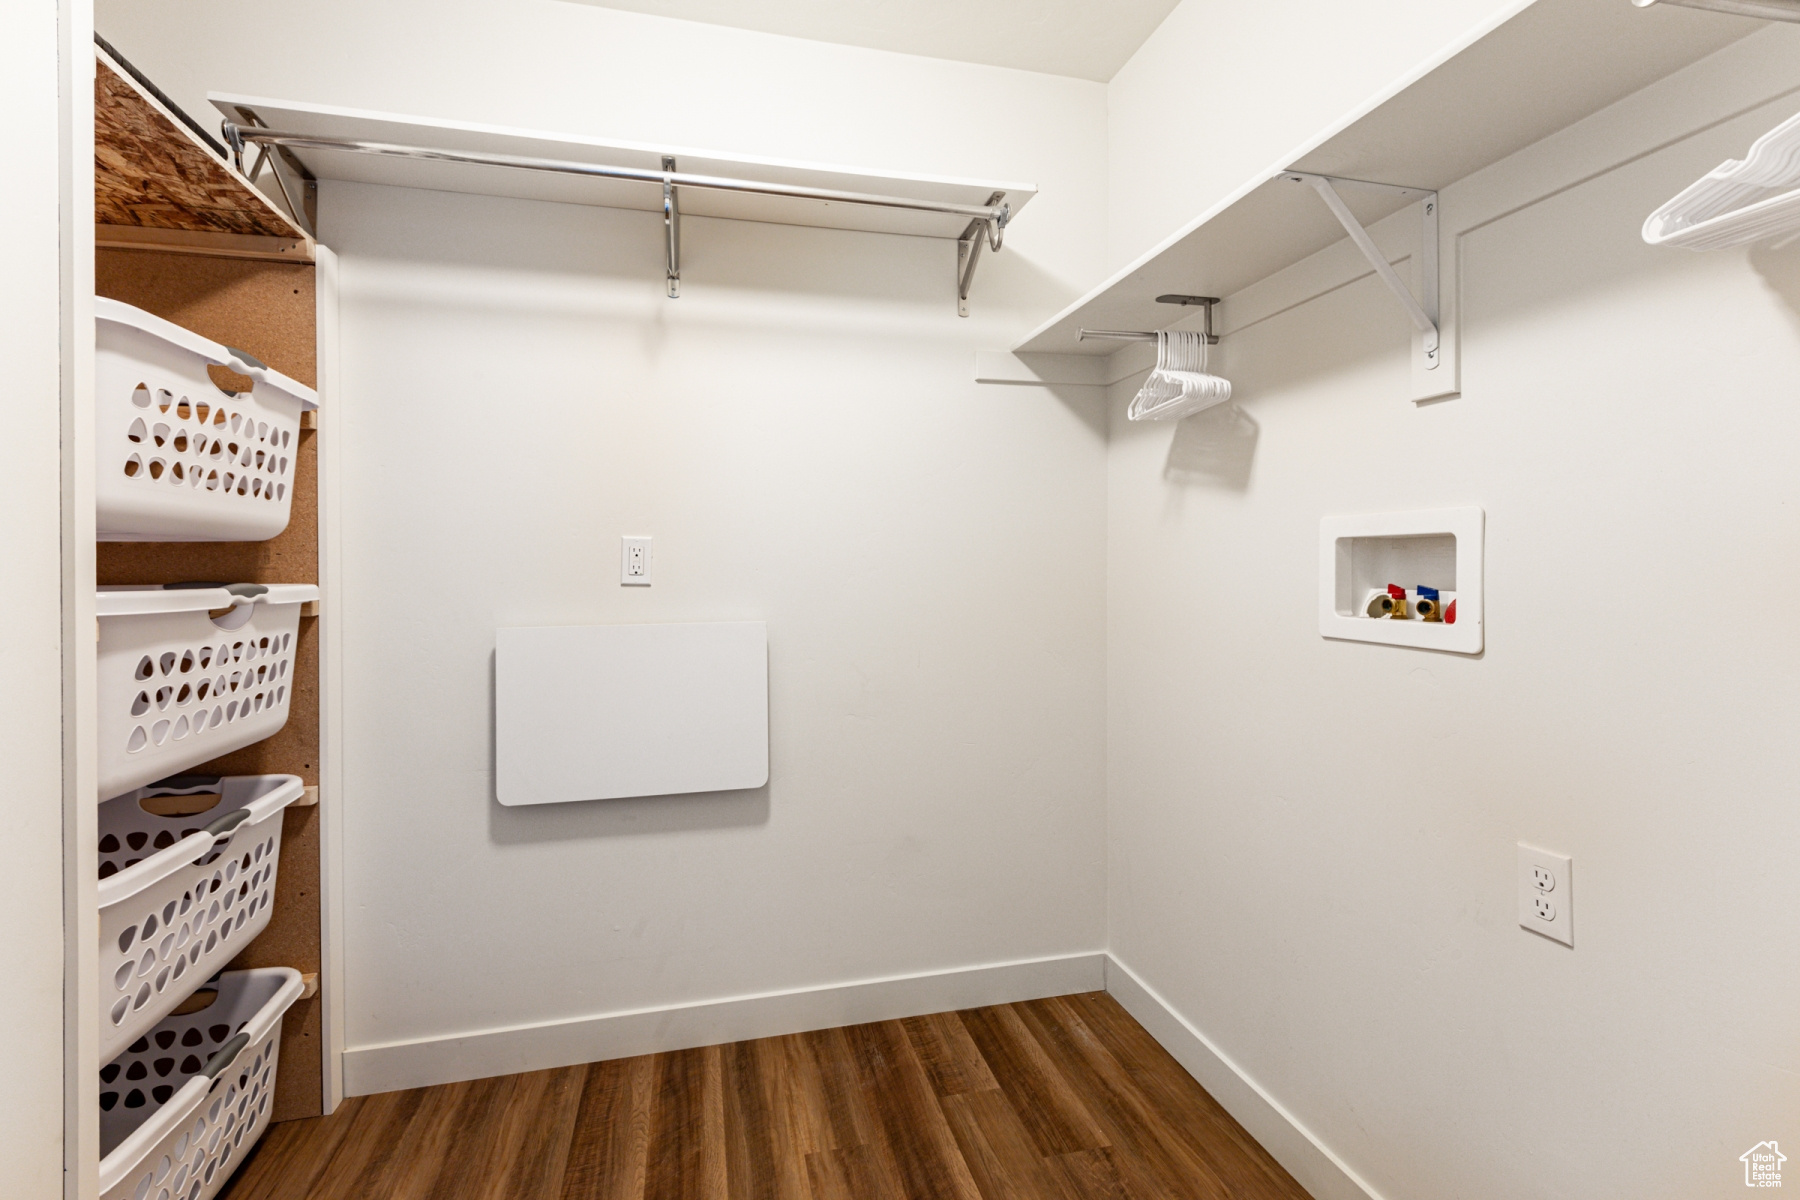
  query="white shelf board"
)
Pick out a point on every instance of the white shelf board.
point(329, 121)
point(1542, 67)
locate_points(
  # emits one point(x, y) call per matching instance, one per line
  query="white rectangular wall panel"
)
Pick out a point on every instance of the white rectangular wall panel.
point(599, 712)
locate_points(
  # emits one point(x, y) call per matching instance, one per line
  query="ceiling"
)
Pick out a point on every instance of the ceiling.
point(1060, 37)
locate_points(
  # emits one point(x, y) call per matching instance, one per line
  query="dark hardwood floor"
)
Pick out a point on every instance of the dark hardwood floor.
point(1060, 1099)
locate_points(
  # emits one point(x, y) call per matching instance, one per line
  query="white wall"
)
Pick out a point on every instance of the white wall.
point(1224, 88)
point(31, 888)
point(801, 435)
point(1313, 841)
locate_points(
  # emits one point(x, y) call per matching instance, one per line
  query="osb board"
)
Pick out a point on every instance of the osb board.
point(266, 309)
point(150, 171)
point(263, 307)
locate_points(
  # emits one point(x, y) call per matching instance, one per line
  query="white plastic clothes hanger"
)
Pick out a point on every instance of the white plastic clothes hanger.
point(1179, 386)
point(1738, 201)
point(1163, 389)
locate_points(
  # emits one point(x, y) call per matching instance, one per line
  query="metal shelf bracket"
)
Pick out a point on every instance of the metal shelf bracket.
point(672, 226)
point(1423, 310)
point(968, 248)
point(305, 210)
point(1212, 339)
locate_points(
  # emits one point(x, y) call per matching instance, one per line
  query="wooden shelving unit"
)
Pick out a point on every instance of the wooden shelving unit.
point(181, 234)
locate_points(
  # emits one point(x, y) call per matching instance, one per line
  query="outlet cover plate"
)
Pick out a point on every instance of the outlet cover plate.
point(1546, 894)
point(635, 561)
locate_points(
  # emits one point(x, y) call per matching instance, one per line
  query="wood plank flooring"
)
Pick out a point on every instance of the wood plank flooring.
point(1059, 1099)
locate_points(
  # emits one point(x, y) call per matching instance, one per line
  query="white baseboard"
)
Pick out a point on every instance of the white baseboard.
point(1306, 1158)
point(488, 1052)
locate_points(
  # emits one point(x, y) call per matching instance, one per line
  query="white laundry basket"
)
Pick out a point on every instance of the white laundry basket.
point(189, 673)
point(182, 460)
point(181, 895)
point(181, 1107)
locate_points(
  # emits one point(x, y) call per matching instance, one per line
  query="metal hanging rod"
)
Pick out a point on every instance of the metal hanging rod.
point(988, 219)
point(995, 215)
point(1134, 335)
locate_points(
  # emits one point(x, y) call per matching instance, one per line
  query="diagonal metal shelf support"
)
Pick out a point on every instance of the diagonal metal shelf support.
point(1423, 310)
point(305, 210)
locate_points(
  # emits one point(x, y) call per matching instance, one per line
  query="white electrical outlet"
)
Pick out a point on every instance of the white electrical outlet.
point(1546, 904)
point(634, 561)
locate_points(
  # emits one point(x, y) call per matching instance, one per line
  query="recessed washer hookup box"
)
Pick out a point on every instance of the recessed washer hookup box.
point(1440, 549)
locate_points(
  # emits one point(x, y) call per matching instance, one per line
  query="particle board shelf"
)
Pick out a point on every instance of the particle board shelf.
point(158, 186)
point(318, 120)
point(1546, 65)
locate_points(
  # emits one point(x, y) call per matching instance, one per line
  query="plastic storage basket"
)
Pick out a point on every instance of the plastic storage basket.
point(182, 1106)
point(189, 673)
point(182, 460)
point(181, 895)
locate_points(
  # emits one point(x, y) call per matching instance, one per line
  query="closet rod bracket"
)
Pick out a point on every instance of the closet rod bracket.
point(992, 230)
point(672, 226)
point(1423, 310)
point(1207, 302)
point(304, 211)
